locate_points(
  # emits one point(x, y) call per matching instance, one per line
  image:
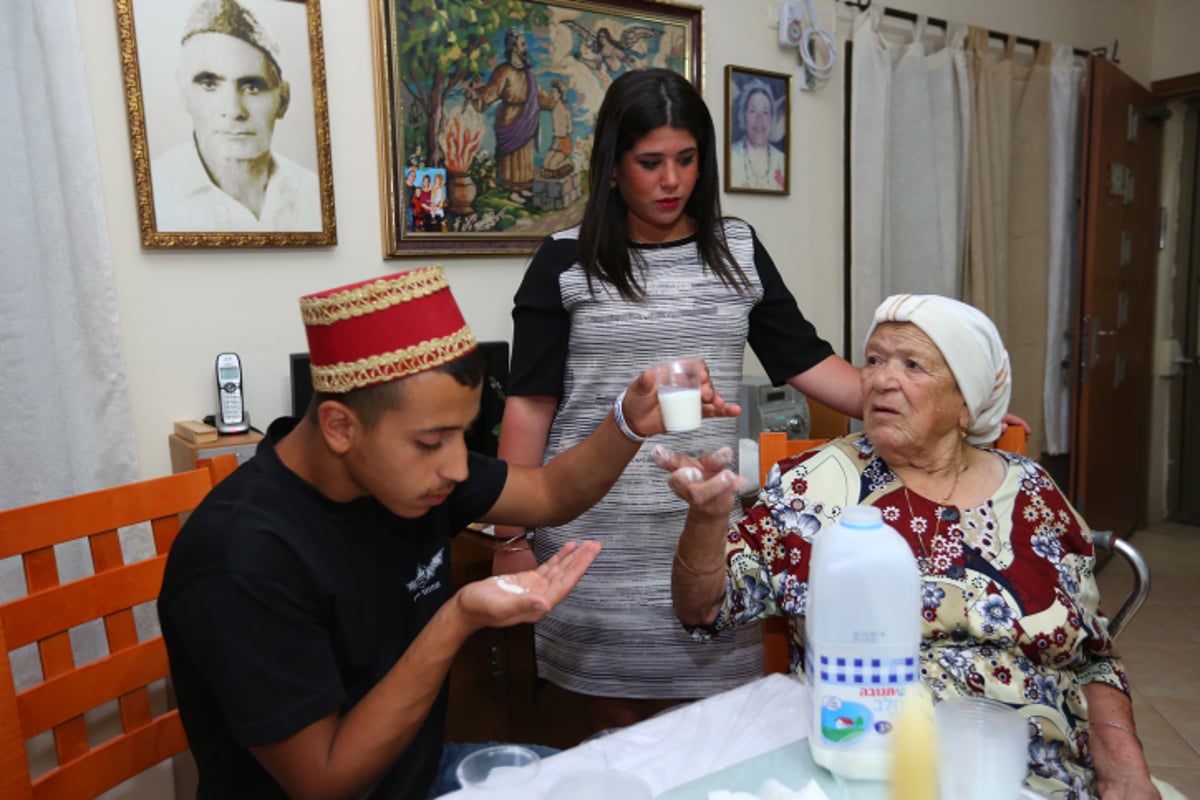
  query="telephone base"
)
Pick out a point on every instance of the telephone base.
point(224, 428)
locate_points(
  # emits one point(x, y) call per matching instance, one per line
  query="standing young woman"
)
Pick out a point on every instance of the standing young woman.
point(654, 271)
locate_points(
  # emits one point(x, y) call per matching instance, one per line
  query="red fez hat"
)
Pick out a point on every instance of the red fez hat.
point(383, 329)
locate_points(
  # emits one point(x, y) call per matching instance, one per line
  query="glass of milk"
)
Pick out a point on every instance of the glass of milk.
point(679, 393)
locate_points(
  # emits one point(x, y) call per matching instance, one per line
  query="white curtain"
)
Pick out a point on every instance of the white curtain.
point(908, 154)
point(871, 71)
point(950, 125)
point(1029, 224)
point(964, 176)
point(66, 424)
point(1063, 165)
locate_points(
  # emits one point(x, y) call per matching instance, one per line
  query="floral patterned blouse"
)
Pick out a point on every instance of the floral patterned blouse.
point(1009, 599)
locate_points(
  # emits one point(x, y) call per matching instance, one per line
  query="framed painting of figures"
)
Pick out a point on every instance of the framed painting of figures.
point(486, 110)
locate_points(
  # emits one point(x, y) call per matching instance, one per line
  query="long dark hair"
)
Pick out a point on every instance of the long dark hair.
point(636, 103)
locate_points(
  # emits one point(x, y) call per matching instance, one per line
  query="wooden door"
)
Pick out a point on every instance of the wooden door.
point(1188, 452)
point(1115, 308)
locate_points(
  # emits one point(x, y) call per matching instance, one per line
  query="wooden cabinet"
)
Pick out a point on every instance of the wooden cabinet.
point(185, 453)
point(495, 694)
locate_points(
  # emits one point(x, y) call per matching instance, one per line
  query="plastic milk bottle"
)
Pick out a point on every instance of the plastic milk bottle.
point(863, 632)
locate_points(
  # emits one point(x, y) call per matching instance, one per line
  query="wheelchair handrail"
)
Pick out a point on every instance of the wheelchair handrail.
point(1107, 540)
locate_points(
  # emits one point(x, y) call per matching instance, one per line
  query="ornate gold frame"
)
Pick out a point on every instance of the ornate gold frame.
point(139, 150)
point(773, 79)
point(390, 110)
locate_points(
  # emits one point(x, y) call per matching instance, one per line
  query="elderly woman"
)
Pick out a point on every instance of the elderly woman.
point(1009, 600)
point(755, 163)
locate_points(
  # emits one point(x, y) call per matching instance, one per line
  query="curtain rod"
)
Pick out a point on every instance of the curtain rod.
point(941, 23)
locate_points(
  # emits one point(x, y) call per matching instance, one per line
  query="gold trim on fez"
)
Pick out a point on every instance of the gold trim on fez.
point(346, 376)
point(371, 297)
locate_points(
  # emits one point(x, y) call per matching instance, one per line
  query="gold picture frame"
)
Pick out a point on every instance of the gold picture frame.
point(267, 58)
point(761, 167)
point(439, 97)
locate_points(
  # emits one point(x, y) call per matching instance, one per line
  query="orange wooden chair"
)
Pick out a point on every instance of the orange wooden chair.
point(45, 615)
point(773, 447)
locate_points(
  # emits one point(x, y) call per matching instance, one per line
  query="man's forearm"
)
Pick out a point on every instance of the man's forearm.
point(344, 756)
point(578, 478)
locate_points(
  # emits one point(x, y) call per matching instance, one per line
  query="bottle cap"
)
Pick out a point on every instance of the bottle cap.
point(861, 517)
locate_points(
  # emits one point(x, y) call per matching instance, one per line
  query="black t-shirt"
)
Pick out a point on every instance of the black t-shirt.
point(280, 606)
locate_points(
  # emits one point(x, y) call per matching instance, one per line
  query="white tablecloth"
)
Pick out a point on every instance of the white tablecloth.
point(686, 742)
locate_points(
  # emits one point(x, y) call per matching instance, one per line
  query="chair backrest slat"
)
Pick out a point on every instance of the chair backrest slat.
point(52, 607)
point(45, 705)
point(29, 528)
point(38, 616)
point(113, 762)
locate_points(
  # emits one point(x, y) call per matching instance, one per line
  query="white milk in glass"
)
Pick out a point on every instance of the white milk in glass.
point(680, 407)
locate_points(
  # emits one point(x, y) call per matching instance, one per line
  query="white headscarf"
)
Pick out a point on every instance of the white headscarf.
point(972, 348)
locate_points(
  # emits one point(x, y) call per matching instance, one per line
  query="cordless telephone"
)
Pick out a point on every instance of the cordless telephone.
point(231, 414)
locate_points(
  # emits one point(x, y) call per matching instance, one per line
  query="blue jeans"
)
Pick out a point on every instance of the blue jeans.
point(454, 752)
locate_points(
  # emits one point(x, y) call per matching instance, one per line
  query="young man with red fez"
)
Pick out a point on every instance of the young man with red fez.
point(306, 605)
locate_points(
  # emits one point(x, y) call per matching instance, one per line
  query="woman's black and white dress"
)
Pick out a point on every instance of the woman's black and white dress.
point(616, 633)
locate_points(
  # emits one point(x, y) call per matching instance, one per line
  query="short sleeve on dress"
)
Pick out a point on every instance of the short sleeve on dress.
point(785, 342)
point(541, 326)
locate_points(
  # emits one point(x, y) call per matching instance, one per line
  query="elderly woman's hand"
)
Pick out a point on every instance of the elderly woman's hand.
point(706, 483)
point(1127, 787)
point(1121, 769)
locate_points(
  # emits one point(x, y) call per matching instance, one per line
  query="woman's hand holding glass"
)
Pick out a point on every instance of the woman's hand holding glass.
point(644, 415)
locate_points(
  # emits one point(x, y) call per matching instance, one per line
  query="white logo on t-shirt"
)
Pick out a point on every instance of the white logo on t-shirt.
point(424, 582)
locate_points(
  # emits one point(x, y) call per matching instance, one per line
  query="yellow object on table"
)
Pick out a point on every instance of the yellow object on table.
point(914, 744)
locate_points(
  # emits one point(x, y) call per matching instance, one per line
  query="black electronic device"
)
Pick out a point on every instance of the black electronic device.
point(302, 388)
point(484, 434)
point(231, 416)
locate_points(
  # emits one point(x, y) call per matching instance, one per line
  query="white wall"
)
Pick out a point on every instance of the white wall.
point(1176, 23)
point(179, 308)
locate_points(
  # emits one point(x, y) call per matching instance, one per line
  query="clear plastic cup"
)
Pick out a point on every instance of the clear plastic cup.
point(679, 393)
point(983, 749)
point(500, 767)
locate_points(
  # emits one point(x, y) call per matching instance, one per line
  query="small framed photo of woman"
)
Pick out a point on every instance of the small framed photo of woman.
point(757, 130)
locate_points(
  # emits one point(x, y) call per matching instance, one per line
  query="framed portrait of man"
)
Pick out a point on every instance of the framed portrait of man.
point(228, 122)
point(757, 124)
